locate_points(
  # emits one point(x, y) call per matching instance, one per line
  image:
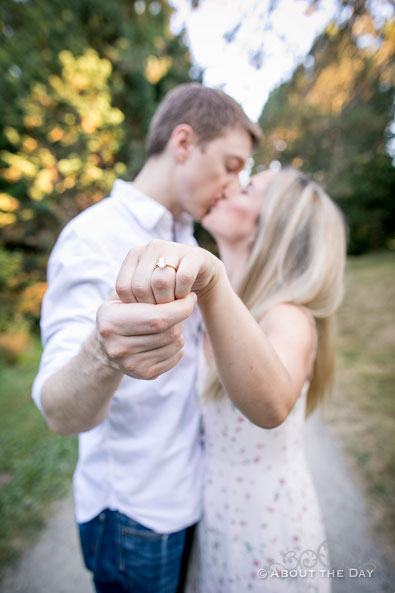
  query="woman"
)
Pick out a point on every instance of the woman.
point(282, 242)
point(260, 506)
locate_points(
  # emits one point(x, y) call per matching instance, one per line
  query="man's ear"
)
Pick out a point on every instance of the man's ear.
point(181, 142)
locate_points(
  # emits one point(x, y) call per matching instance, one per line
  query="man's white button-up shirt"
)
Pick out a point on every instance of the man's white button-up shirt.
point(145, 459)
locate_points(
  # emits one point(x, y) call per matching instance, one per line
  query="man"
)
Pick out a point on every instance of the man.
point(138, 478)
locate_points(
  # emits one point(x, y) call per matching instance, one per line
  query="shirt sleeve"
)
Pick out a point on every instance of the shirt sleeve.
point(80, 277)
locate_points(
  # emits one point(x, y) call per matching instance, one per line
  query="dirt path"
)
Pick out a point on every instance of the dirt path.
point(352, 545)
point(54, 565)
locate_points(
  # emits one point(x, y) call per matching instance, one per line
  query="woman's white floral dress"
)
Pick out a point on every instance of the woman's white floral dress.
point(260, 508)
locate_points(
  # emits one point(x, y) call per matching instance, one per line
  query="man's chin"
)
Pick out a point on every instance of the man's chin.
point(211, 209)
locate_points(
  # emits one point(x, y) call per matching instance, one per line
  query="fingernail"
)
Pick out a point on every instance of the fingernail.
point(194, 296)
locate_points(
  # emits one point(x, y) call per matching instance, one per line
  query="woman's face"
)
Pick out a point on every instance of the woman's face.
point(235, 218)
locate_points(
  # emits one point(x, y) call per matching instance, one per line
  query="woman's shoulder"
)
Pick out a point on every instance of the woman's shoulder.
point(292, 322)
point(291, 315)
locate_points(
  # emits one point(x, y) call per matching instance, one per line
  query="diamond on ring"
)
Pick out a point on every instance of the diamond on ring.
point(162, 263)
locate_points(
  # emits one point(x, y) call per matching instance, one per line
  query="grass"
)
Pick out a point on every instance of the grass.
point(35, 465)
point(362, 412)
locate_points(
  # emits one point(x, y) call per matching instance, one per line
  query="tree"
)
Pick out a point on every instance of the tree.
point(332, 118)
point(79, 83)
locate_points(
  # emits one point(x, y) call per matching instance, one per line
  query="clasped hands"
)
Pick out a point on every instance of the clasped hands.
point(140, 326)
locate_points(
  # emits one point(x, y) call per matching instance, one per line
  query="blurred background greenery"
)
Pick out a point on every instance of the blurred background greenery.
point(79, 84)
point(80, 81)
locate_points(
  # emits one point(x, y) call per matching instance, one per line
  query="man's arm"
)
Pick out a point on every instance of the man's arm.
point(77, 396)
point(139, 340)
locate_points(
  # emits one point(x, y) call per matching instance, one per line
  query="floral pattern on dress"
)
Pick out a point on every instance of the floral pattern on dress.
point(260, 506)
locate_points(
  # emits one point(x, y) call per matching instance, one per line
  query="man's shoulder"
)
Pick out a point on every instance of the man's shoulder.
point(103, 222)
point(96, 218)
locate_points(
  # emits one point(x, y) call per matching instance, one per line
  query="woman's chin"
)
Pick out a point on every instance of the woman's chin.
point(207, 223)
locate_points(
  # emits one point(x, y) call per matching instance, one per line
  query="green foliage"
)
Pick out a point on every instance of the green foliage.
point(79, 83)
point(35, 465)
point(10, 264)
point(332, 119)
point(10, 268)
point(76, 102)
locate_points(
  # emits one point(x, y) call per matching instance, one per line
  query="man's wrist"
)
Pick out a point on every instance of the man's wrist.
point(95, 353)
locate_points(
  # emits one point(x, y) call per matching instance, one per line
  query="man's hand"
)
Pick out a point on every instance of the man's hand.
point(142, 340)
point(140, 327)
point(191, 269)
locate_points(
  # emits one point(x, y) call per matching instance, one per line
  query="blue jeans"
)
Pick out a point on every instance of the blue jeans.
point(126, 557)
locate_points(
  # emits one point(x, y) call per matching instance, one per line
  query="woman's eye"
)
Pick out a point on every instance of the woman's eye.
point(246, 189)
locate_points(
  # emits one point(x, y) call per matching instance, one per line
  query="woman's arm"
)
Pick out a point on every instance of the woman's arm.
point(262, 366)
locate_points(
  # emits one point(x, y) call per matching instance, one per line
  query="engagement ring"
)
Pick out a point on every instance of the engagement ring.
point(162, 263)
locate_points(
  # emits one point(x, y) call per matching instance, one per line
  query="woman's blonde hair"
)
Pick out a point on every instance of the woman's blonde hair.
point(298, 257)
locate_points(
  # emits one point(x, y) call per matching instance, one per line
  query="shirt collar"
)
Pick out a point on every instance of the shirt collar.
point(147, 211)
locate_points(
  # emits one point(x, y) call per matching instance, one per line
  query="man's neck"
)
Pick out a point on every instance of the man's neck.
point(155, 181)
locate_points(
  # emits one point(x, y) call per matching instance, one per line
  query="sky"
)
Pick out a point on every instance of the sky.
point(230, 66)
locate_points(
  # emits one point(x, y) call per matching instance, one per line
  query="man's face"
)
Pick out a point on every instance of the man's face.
point(210, 169)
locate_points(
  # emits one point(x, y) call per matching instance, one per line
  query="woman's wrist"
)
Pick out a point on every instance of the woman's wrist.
point(219, 280)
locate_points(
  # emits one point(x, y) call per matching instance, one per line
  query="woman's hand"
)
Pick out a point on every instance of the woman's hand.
point(181, 270)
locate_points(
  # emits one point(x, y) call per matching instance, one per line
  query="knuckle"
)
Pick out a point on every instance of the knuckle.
point(122, 289)
point(174, 332)
point(158, 324)
point(185, 277)
point(139, 291)
point(104, 326)
point(146, 372)
point(180, 341)
point(116, 351)
point(154, 375)
point(160, 282)
point(155, 243)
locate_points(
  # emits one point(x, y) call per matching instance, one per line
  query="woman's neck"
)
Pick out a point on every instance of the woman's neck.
point(234, 257)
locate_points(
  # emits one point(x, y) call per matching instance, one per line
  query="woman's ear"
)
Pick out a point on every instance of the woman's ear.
point(182, 140)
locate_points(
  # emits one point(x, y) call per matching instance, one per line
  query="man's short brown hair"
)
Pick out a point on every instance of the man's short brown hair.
point(210, 112)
